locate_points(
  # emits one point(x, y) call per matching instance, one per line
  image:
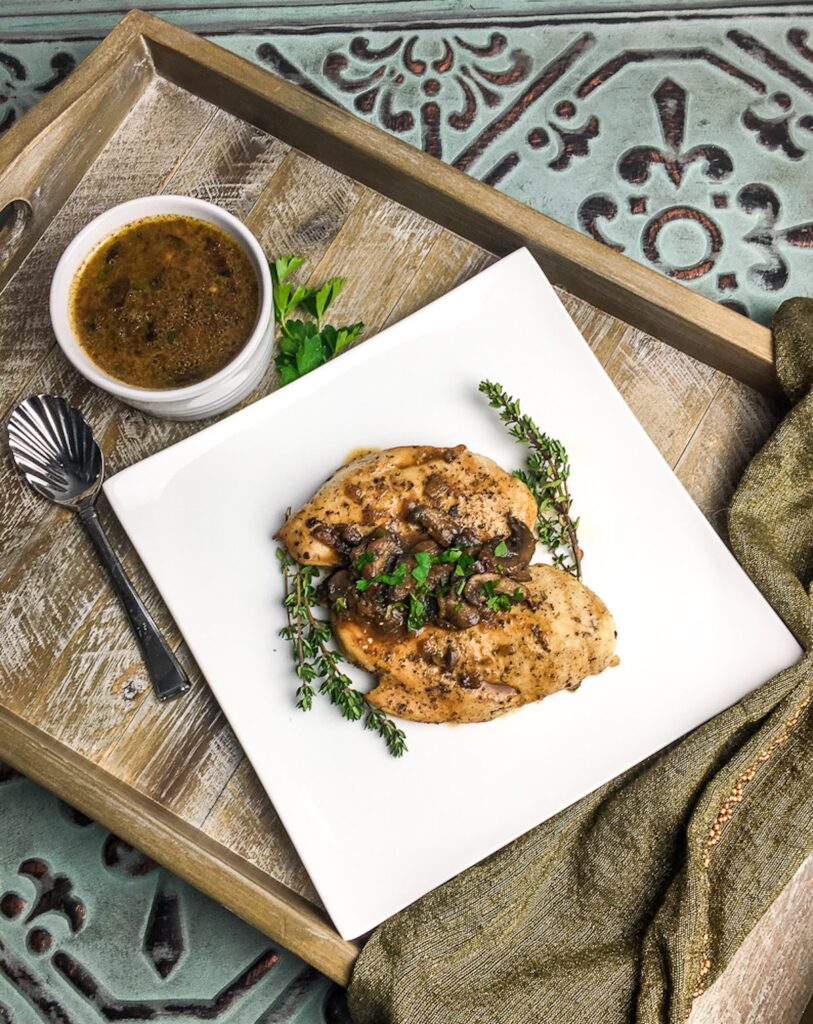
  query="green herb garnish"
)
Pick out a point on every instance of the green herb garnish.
point(501, 550)
point(450, 555)
point(417, 614)
point(463, 565)
point(499, 602)
point(316, 661)
point(424, 560)
point(305, 344)
point(546, 472)
point(392, 579)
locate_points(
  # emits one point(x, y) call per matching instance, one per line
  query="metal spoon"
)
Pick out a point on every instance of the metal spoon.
point(53, 447)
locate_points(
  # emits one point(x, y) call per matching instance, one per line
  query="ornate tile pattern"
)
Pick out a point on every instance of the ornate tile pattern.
point(682, 141)
point(93, 931)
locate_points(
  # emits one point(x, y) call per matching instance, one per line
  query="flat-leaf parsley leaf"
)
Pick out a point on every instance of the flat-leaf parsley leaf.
point(305, 344)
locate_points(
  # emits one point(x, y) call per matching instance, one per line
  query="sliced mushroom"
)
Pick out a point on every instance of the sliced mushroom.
point(338, 585)
point(384, 617)
point(385, 547)
point(455, 612)
point(476, 590)
point(341, 538)
point(436, 486)
point(352, 534)
point(521, 541)
point(426, 545)
point(390, 620)
point(521, 546)
point(401, 591)
point(434, 522)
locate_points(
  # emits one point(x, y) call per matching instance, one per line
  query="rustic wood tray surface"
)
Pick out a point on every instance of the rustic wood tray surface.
point(155, 109)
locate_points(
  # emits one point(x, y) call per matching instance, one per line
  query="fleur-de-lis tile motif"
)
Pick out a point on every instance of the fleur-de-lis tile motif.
point(636, 164)
point(51, 961)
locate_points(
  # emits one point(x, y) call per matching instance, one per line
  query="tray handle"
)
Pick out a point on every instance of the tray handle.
point(15, 219)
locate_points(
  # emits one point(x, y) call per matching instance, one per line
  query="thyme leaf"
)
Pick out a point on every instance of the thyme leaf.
point(546, 473)
point(317, 663)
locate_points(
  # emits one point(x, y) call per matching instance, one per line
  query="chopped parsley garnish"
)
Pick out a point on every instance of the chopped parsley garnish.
point(501, 550)
point(463, 566)
point(391, 579)
point(423, 596)
point(363, 560)
point(450, 556)
point(498, 602)
point(417, 613)
point(424, 561)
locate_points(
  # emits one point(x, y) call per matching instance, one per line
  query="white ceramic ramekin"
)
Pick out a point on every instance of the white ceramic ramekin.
point(217, 393)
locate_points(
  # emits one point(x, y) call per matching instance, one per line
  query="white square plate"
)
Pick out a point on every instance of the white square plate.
point(376, 833)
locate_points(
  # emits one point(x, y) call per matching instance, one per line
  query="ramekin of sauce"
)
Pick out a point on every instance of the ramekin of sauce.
point(165, 302)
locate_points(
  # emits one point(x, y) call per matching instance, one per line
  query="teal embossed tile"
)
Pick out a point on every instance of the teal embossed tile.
point(679, 138)
point(91, 930)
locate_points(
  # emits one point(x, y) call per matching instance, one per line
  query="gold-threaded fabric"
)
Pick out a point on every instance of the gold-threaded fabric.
point(627, 905)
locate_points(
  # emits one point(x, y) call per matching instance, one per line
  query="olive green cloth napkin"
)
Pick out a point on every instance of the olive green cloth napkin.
point(628, 904)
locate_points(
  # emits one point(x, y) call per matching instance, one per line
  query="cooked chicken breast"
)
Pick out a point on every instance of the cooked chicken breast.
point(439, 492)
point(560, 634)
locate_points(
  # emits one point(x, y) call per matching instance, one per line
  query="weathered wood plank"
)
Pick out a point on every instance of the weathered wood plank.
point(668, 391)
point(451, 260)
point(29, 359)
point(380, 248)
point(770, 978)
point(230, 164)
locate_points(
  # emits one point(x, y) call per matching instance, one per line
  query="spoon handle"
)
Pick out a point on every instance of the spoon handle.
point(168, 678)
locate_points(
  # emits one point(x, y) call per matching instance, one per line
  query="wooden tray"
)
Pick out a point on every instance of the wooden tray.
point(155, 109)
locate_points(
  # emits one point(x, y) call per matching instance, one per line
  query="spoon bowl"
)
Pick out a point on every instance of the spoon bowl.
point(53, 447)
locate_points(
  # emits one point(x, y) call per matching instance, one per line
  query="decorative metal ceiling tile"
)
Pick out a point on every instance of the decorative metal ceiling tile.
point(681, 141)
point(93, 931)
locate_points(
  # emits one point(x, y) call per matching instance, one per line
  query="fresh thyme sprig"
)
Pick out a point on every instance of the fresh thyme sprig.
point(316, 661)
point(305, 344)
point(546, 474)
